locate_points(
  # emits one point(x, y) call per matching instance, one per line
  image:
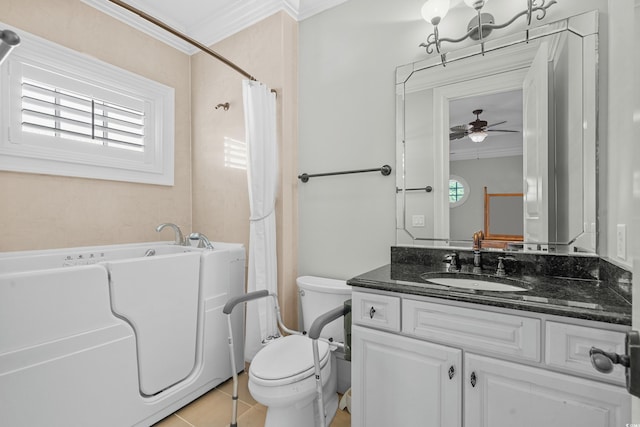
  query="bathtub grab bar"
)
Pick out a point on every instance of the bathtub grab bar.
point(314, 333)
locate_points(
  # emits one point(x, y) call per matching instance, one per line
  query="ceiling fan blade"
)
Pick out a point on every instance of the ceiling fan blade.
point(502, 130)
point(496, 124)
point(457, 135)
point(459, 128)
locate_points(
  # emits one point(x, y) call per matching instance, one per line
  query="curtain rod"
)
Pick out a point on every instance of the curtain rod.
point(183, 37)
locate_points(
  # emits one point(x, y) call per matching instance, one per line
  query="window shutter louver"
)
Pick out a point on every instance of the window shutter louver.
point(60, 113)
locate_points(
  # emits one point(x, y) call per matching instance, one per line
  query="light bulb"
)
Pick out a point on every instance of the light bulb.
point(434, 10)
point(8, 40)
point(476, 4)
point(478, 136)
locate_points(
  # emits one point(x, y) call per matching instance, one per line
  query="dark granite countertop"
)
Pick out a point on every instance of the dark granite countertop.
point(583, 298)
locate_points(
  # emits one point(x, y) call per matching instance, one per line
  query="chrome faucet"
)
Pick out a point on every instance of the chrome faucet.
point(501, 271)
point(452, 260)
point(203, 241)
point(179, 237)
point(477, 261)
point(478, 236)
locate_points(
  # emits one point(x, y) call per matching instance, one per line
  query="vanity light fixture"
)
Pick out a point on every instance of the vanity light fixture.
point(8, 40)
point(479, 27)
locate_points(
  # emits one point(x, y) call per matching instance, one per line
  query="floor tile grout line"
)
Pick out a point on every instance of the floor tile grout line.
point(239, 400)
point(231, 396)
point(176, 414)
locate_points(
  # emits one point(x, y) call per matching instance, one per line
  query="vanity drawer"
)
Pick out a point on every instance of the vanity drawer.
point(484, 331)
point(378, 311)
point(567, 348)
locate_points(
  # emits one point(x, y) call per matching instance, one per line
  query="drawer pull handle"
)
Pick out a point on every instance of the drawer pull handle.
point(474, 379)
point(372, 312)
point(603, 361)
point(452, 371)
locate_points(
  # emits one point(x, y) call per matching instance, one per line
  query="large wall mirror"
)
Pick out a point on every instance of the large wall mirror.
point(520, 119)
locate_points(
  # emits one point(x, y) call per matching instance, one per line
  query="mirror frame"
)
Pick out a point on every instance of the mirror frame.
point(459, 81)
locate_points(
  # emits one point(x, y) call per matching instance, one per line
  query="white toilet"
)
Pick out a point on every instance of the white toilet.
point(281, 375)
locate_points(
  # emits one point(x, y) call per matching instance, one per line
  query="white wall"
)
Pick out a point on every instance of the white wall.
point(348, 57)
point(616, 201)
point(419, 167)
point(499, 175)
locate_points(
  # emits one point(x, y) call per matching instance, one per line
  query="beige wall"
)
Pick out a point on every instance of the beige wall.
point(40, 211)
point(268, 51)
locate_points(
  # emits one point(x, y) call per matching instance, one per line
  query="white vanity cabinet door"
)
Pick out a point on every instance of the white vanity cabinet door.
point(507, 394)
point(401, 381)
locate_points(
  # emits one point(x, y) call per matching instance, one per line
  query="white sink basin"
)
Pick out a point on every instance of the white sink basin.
point(481, 285)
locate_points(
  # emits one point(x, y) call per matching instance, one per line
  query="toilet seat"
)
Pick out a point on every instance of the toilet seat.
point(286, 360)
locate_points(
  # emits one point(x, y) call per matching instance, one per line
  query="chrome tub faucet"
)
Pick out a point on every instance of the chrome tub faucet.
point(179, 237)
point(203, 241)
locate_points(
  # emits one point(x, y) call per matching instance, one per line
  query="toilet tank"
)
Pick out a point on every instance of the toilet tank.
point(319, 295)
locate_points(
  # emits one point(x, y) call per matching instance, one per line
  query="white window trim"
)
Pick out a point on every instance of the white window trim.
point(16, 154)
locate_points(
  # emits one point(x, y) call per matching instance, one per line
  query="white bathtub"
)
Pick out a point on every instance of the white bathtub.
point(106, 336)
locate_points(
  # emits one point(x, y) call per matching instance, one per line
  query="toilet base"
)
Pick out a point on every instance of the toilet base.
point(304, 413)
point(306, 416)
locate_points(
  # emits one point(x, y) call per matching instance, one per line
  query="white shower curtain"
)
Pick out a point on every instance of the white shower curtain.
point(262, 173)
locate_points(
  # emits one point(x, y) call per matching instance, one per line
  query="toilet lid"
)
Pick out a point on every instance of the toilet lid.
point(287, 360)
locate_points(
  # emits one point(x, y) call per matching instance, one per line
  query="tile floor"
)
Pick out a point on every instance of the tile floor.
point(213, 409)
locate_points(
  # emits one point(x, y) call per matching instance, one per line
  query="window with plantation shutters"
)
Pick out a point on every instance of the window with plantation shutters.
point(70, 114)
point(60, 113)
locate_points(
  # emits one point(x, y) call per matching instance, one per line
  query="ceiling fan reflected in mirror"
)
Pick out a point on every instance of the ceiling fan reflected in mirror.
point(476, 130)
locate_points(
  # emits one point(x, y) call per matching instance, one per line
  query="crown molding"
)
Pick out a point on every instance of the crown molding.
point(140, 24)
point(212, 28)
point(309, 8)
point(232, 19)
point(485, 153)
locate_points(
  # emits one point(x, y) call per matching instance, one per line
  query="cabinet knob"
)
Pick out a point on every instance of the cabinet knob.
point(474, 379)
point(603, 361)
point(372, 312)
point(452, 371)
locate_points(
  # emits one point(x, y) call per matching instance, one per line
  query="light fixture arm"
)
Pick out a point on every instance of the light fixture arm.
point(435, 41)
point(480, 29)
point(532, 7)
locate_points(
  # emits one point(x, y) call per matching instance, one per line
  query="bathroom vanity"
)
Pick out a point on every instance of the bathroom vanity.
point(436, 355)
